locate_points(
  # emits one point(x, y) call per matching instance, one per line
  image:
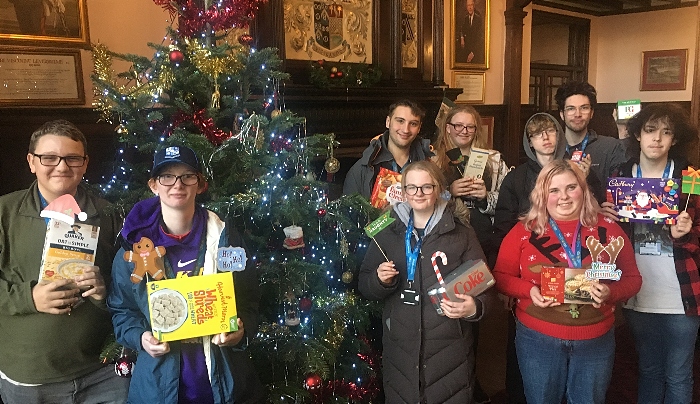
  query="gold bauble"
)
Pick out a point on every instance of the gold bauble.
point(332, 165)
point(275, 113)
point(121, 129)
point(347, 277)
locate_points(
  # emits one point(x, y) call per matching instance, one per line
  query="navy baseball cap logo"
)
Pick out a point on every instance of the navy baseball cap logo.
point(175, 154)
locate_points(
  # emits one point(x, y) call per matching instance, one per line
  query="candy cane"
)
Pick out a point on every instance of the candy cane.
point(437, 270)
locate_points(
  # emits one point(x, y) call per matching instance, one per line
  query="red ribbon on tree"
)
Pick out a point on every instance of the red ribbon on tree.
point(224, 14)
point(205, 124)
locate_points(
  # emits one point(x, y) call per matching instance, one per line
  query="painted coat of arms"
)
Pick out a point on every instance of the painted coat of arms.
point(326, 29)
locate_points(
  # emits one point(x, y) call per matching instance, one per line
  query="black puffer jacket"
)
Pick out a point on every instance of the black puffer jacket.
point(427, 358)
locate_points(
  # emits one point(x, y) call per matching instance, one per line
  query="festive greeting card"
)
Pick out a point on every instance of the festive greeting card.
point(647, 200)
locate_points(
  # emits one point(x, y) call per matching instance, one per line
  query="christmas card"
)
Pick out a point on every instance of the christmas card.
point(648, 200)
point(189, 307)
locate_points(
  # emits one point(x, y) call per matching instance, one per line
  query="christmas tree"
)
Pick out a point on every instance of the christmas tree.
point(210, 89)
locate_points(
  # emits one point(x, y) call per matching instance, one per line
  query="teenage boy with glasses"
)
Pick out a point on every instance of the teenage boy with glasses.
point(577, 102)
point(50, 349)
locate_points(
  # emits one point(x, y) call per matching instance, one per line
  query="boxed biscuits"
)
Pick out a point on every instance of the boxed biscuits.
point(194, 306)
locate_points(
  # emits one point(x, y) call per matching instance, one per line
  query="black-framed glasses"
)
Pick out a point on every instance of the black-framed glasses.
point(186, 179)
point(585, 109)
point(459, 127)
point(540, 134)
point(426, 189)
point(52, 160)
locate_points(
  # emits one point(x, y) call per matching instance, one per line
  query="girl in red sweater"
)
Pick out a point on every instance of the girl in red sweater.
point(565, 350)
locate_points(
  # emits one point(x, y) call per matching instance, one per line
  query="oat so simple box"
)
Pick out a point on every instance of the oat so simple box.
point(68, 249)
point(189, 307)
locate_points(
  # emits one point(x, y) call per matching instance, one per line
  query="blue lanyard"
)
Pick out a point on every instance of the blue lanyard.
point(574, 259)
point(412, 253)
point(583, 146)
point(667, 170)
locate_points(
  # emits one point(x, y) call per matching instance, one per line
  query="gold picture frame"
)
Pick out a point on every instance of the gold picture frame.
point(44, 23)
point(472, 85)
point(34, 76)
point(329, 30)
point(469, 34)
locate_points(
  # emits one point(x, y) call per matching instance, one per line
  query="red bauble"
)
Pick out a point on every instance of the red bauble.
point(123, 367)
point(305, 304)
point(176, 56)
point(246, 39)
point(321, 212)
point(312, 382)
point(339, 74)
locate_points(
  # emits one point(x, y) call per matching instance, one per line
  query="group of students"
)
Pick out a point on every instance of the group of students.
point(548, 212)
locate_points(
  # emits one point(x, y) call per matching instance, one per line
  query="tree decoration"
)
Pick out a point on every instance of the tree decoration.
point(347, 277)
point(313, 381)
point(305, 304)
point(324, 74)
point(176, 56)
point(213, 65)
point(332, 165)
point(246, 39)
point(321, 212)
point(224, 14)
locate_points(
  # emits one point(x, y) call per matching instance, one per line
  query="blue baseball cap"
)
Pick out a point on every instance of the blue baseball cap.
point(175, 154)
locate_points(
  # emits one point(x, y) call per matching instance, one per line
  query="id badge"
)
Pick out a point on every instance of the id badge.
point(650, 248)
point(409, 296)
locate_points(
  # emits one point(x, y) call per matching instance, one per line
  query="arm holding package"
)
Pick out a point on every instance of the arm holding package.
point(369, 284)
point(127, 318)
point(492, 194)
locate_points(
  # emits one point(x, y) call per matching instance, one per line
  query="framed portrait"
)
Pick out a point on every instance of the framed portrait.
point(44, 23)
point(472, 85)
point(328, 29)
point(41, 77)
point(469, 34)
point(664, 70)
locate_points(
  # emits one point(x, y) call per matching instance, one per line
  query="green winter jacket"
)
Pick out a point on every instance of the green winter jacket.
point(40, 348)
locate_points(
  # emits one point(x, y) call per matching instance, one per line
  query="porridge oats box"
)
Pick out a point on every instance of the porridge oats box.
point(192, 306)
point(68, 249)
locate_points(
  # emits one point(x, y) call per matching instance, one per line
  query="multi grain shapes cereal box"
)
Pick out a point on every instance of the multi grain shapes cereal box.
point(68, 249)
point(387, 189)
point(189, 307)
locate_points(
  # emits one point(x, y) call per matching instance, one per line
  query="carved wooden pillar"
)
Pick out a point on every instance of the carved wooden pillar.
point(695, 94)
point(513, 77)
point(396, 62)
point(438, 43)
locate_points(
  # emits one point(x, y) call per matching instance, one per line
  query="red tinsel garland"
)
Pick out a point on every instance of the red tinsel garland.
point(350, 390)
point(205, 125)
point(224, 14)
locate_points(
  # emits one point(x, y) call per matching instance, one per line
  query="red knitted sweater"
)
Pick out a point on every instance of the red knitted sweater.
point(518, 268)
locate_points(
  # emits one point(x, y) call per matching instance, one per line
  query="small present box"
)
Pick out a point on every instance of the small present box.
point(691, 181)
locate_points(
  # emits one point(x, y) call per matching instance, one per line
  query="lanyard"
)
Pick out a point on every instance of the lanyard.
point(412, 253)
point(583, 146)
point(574, 259)
point(667, 170)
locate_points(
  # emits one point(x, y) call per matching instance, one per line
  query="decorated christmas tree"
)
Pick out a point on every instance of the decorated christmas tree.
point(208, 87)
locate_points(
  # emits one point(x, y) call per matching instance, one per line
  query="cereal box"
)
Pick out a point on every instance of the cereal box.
point(646, 200)
point(68, 249)
point(387, 189)
point(189, 307)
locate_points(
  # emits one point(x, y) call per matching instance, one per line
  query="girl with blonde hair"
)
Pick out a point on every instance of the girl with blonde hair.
point(565, 350)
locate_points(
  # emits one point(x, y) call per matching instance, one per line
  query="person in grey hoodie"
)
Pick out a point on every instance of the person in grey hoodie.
point(543, 141)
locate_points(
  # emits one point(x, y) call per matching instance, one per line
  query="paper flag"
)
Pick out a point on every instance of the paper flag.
point(691, 181)
point(380, 224)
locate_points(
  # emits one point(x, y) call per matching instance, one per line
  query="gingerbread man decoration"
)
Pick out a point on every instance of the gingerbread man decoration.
point(147, 259)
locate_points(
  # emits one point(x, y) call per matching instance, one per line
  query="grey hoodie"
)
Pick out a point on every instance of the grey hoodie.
point(514, 197)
